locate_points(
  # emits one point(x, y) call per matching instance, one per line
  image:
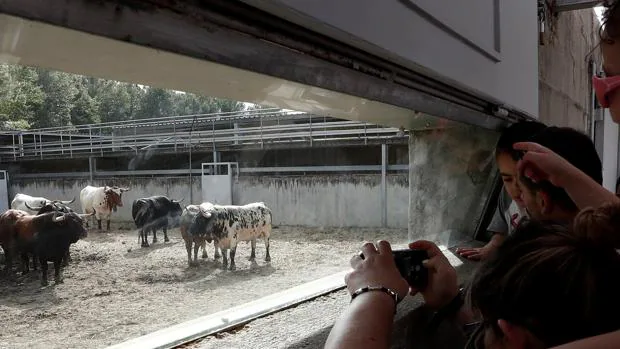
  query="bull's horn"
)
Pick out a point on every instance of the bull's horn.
point(58, 218)
point(85, 215)
point(67, 202)
point(32, 208)
point(125, 189)
point(178, 201)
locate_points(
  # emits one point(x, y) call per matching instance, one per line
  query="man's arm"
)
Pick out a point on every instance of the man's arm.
point(584, 191)
point(366, 323)
point(608, 340)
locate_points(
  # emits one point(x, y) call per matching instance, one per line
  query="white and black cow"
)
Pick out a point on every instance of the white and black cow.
point(153, 213)
point(230, 224)
point(101, 201)
point(32, 204)
point(196, 241)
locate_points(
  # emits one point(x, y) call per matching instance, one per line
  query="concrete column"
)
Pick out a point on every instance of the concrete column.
point(92, 168)
point(610, 152)
point(215, 159)
point(445, 202)
point(236, 128)
point(384, 164)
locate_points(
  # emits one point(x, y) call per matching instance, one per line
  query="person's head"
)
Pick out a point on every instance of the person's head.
point(608, 88)
point(547, 284)
point(543, 200)
point(507, 158)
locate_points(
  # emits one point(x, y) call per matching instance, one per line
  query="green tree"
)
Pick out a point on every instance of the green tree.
point(20, 95)
point(156, 102)
point(59, 92)
point(85, 109)
point(114, 103)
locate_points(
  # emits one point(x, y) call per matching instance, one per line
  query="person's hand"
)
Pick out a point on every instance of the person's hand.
point(542, 164)
point(481, 253)
point(376, 269)
point(475, 253)
point(442, 284)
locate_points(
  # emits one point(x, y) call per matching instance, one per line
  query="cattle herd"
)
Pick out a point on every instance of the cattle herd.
point(43, 229)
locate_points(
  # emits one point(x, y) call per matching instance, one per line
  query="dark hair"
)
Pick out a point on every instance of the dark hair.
point(521, 131)
point(578, 149)
point(609, 30)
point(561, 284)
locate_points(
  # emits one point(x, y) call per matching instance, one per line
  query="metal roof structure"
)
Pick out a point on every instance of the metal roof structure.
point(262, 128)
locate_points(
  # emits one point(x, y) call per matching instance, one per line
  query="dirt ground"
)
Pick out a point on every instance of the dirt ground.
point(114, 290)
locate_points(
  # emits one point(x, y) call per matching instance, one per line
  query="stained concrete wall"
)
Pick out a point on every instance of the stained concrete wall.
point(328, 200)
point(564, 80)
point(450, 175)
point(315, 200)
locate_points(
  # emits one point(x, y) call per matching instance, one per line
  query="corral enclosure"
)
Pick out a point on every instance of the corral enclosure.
point(351, 200)
point(332, 182)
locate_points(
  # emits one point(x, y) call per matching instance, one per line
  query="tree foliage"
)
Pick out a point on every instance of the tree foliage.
point(36, 98)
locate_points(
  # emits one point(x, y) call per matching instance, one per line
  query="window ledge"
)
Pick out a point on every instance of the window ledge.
point(308, 324)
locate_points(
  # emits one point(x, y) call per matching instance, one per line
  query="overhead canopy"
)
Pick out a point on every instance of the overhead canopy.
point(308, 61)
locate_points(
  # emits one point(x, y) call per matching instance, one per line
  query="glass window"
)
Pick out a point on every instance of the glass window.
point(330, 185)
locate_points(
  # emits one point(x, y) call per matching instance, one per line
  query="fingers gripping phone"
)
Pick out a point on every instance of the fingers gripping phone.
point(409, 264)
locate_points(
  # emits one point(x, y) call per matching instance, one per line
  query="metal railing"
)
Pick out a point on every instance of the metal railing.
point(221, 131)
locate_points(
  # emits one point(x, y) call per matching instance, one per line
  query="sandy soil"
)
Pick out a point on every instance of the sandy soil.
point(114, 290)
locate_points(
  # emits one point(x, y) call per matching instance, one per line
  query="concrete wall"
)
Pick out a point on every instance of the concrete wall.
point(315, 200)
point(564, 81)
point(328, 200)
point(450, 176)
point(609, 157)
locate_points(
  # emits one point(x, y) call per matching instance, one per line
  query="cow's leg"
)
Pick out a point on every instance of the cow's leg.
point(8, 259)
point(35, 261)
point(99, 224)
point(224, 257)
point(203, 244)
point(25, 263)
point(166, 235)
point(267, 256)
point(188, 247)
point(196, 247)
point(66, 259)
point(253, 253)
point(43, 271)
point(108, 225)
point(233, 251)
point(144, 237)
point(154, 235)
point(217, 250)
point(58, 271)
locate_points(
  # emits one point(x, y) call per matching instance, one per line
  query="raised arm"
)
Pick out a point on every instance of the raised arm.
point(540, 163)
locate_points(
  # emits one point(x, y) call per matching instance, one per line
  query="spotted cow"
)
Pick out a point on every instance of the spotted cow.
point(101, 201)
point(228, 225)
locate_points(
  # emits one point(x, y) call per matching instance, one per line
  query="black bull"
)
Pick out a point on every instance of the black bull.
point(153, 213)
point(55, 231)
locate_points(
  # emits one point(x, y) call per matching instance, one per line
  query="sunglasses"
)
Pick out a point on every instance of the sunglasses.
point(603, 87)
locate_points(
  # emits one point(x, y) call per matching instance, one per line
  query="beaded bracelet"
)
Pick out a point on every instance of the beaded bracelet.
point(390, 292)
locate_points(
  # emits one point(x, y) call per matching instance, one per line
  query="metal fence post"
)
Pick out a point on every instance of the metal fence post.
point(384, 164)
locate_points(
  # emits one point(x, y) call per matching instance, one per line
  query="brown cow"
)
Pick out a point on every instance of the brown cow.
point(48, 236)
point(7, 235)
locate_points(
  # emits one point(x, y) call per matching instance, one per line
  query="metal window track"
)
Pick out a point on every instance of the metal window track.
point(225, 32)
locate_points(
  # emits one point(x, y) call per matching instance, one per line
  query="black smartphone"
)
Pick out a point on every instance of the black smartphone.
point(409, 263)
